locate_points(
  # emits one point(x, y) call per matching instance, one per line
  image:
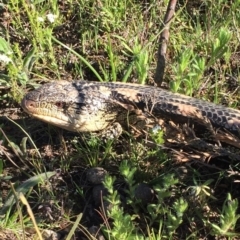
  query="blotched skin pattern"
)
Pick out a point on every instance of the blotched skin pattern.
point(85, 106)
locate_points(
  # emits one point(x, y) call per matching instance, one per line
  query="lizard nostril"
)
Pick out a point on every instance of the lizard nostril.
point(30, 104)
point(27, 104)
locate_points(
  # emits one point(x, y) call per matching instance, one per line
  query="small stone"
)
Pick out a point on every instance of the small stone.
point(95, 232)
point(144, 193)
point(96, 175)
point(50, 235)
point(107, 206)
point(98, 193)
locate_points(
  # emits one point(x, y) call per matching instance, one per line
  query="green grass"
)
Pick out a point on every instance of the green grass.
point(115, 41)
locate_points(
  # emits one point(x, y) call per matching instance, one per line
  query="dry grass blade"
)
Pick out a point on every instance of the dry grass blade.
point(30, 212)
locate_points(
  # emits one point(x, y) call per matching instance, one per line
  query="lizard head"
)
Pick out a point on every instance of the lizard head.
point(76, 106)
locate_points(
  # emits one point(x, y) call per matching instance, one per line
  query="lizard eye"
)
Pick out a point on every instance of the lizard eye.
point(59, 104)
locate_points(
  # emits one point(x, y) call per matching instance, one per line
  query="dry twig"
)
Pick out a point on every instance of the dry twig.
point(163, 42)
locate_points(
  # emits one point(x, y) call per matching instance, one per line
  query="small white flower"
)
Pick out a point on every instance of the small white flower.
point(40, 19)
point(51, 17)
point(4, 58)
